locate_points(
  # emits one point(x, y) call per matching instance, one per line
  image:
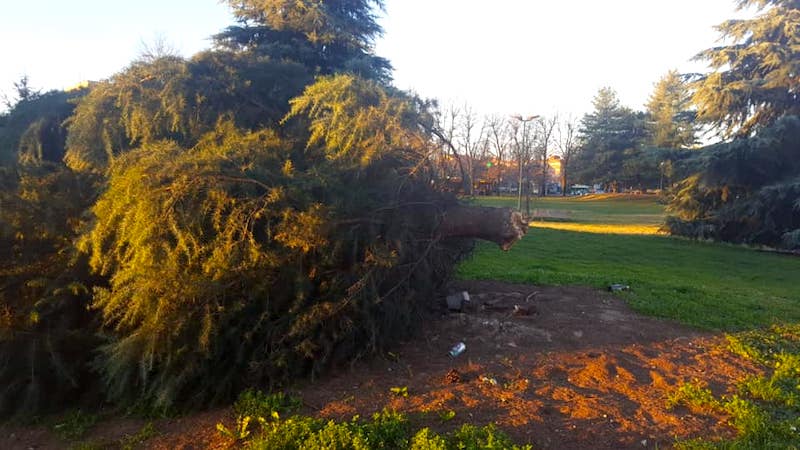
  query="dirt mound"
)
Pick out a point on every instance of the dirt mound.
point(558, 367)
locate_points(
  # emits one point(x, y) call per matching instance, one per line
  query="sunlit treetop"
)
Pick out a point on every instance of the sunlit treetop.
point(352, 22)
point(670, 117)
point(327, 37)
point(755, 79)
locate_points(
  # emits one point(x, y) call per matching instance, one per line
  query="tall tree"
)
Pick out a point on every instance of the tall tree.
point(610, 135)
point(755, 78)
point(473, 142)
point(499, 143)
point(746, 192)
point(446, 131)
point(568, 144)
point(547, 127)
point(326, 36)
point(670, 121)
point(523, 135)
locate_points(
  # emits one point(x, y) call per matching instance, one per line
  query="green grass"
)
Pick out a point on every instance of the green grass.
point(707, 285)
point(609, 209)
point(765, 410)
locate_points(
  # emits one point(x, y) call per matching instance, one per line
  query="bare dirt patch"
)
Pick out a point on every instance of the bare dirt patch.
point(557, 367)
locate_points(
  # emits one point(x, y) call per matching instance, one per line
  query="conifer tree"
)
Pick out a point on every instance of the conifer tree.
point(670, 118)
point(327, 36)
point(755, 78)
point(610, 135)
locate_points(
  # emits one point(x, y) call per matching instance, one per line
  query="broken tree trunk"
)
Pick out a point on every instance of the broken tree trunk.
point(503, 226)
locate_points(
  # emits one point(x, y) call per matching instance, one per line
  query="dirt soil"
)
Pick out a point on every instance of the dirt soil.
point(556, 367)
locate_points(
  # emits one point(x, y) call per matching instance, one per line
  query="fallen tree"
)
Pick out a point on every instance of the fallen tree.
point(503, 226)
point(237, 238)
point(253, 258)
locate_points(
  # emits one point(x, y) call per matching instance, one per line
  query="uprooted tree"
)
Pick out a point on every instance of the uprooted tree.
point(234, 237)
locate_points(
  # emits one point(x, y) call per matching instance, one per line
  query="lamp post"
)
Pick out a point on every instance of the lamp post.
point(524, 121)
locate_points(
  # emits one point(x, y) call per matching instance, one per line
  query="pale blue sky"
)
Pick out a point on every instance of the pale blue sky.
point(503, 56)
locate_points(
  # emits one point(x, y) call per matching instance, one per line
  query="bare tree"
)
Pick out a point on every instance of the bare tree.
point(523, 136)
point(546, 128)
point(473, 143)
point(568, 144)
point(499, 137)
point(158, 48)
point(446, 132)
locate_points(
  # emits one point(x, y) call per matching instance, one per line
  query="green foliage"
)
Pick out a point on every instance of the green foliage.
point(425, 439)
point(289, 434)
point(400, 391)
point(131, 442)
point(75, 425)
point(246, 260)
point(766, 410)
point(670, 118)
point(257, 404)
point(332, 36)
point(747, 191)
point(355, 121)
point(171, 98)
point(342, 22)
point(386, 430)
point(448, 415)
point(697, 397)
point(234, 238)
point(470, 437)
point(239, 432)
point(46, 330)
point(32, 130)
point(611, 136)
point(754, 80)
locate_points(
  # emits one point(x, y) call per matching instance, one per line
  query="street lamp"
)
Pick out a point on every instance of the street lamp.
point(524, 121)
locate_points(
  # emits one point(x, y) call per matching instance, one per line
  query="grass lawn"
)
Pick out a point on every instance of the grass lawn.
point(711, 286)
point(592, 209)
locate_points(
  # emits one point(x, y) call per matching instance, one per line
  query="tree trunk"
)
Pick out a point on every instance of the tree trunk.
point(503, 226)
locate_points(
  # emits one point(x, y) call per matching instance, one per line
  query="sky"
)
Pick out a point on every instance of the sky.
point(500, 56)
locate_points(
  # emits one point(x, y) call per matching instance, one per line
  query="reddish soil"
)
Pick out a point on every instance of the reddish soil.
point(556, 367)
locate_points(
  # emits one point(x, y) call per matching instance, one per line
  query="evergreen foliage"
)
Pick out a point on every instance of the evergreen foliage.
point(32, 130)
point(756, 77)
point(326, 37)
point(611, 135)
point(171, 98)
point(747, 191)
point(252, 258)
point(227, 236)
point(670, 118)
point(46, 330)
